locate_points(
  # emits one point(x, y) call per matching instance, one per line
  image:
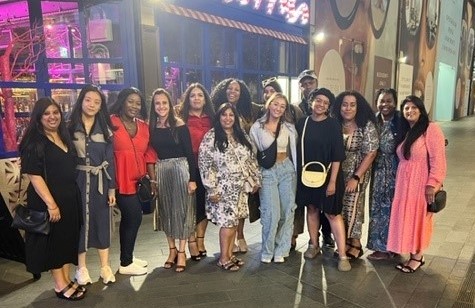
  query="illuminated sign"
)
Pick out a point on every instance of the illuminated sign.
point(289, 9)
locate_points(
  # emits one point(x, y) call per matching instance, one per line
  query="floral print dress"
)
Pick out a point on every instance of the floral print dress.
point(225, 173)
point(357, 145)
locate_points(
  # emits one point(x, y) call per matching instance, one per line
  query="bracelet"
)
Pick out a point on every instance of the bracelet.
point(153, 181)
point(356, 177)
point(52, 209)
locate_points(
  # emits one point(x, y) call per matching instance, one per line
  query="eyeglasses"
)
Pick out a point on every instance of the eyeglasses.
point(266, 82)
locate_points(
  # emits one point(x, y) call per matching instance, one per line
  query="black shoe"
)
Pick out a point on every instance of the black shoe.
point(328, 242)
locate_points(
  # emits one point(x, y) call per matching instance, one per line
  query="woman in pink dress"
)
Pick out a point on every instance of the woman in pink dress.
point(421, 171)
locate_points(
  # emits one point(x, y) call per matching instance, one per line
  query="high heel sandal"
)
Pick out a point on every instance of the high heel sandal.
point(169, 264)
point(192, 256)
point(203, 253)
point(405, 268)
point(352, 256)
point(180, 268)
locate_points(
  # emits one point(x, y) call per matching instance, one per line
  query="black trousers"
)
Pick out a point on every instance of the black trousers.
point(131, 218)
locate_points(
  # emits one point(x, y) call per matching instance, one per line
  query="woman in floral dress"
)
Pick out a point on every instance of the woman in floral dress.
point(226, 161)
point(384, 174)
point(361, 143)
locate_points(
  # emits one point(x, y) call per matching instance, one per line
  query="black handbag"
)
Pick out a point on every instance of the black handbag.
point(439, 202)
point(144, 189)
point(30, 220)
point(266, 158)
point(254, 204)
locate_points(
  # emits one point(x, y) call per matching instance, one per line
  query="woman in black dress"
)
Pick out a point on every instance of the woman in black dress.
point(48, 160)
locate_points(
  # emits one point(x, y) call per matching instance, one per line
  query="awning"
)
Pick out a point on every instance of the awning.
point(221, 21)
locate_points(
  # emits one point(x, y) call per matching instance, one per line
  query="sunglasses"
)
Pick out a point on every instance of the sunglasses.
point(266, 82)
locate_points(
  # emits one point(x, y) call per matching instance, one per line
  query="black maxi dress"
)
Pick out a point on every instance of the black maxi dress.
point(45, 252)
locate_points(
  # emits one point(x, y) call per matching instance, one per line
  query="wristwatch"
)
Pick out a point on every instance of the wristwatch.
point(356, 177)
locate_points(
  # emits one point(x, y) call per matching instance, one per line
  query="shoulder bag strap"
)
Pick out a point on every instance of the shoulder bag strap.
point(303, 139)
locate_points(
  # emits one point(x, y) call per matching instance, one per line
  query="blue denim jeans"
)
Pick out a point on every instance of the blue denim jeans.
point(277, 197)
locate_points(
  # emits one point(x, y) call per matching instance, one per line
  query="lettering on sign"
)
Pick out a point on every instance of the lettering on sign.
point(290, 9)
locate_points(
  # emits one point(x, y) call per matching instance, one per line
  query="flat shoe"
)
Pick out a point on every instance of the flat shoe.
point(379, 255)
point(352, 256)
point(241, 246)
point(228, 266)
point(237, 261)
point(75, 296)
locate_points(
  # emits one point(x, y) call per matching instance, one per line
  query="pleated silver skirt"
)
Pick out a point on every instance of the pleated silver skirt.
point(176, 207)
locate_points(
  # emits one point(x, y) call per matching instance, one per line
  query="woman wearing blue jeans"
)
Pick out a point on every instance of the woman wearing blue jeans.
point(277, 194)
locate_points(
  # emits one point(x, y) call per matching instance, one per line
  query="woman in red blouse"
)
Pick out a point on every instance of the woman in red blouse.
point(197, 111)
point(133, 159)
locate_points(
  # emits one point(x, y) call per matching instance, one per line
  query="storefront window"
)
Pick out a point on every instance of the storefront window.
point(106, 73)
point(171, 47)
point(192, 76)
point(216, 40)
point(61, 29)
point(193, 45)
point(66, 73)
point(103, 30)
point(230, 48)
point(216, 77)
point(250, 51)
point(252, 82)
point(267, 54)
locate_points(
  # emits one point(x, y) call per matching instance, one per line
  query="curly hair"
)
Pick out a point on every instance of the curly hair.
point(102, 117)
point(243, 106)
point(220, 137)
point(364, 113)
point(117, 107)
point(184, 108)
point(418, 129)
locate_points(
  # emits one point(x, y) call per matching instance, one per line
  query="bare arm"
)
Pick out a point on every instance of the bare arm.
point(42, 190)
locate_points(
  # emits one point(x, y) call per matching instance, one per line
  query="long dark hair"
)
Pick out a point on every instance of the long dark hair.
point(171, 119)
point(184, 108)
point(220, 137)
point(364, 113)
point(102, 117)
point(418, 129)
point(243, 105)
point(34, 134)
point(117, 108)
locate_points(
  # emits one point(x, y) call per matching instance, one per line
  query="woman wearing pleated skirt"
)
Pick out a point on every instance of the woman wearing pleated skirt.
point(170, 138)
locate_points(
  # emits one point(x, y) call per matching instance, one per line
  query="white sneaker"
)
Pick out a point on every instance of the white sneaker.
point(266, 260)
point(279, 260)
point(132, 269)
point(82, 276)
point(344, 264)
point(311, 252)
point(140, 262)
point(107, 275)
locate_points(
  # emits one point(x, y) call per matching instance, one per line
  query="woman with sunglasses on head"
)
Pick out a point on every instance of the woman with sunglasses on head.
point(91, 131)
point(197, 111)
point(421, 171)
point(176, 176)
point(134, 158)
point(229, 172)
point(277, 193)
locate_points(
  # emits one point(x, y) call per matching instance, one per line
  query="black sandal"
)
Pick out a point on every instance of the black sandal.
point(78, 287)
point(203, 253)
point(75, 296)
point(352, 256)
point(237, 261)
point(194, 257)
point(169, 264)
point(409, 270)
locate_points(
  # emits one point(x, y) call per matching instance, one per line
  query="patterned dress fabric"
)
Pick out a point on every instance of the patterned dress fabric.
point(410, 225)
point(223, 174)
point(357, 145)
point(382, 187)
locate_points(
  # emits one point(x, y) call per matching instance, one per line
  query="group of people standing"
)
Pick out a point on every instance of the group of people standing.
point(200, 157)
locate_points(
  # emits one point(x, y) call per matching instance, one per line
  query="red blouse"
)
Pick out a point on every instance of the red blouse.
point(132, 154)
point(198, 127)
